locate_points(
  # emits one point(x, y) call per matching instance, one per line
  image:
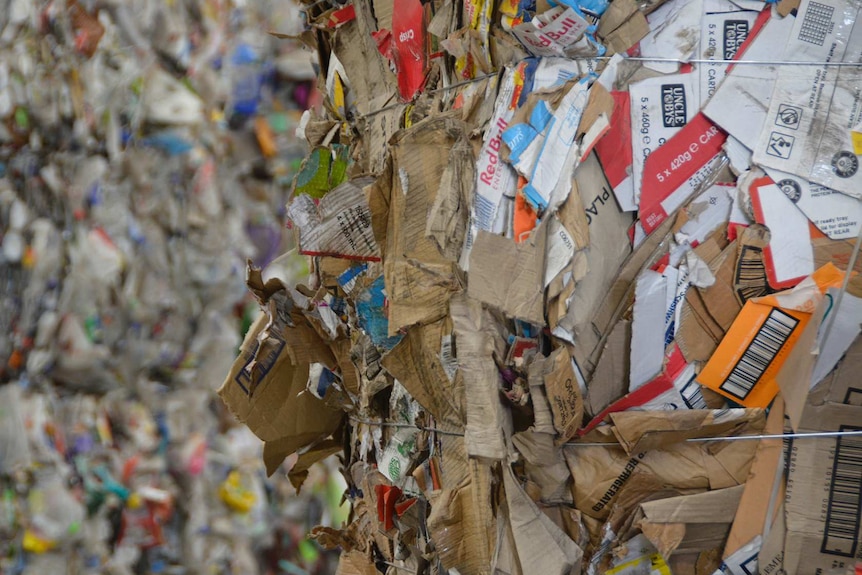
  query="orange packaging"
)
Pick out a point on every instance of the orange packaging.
point(753, 350)
point(525, 217)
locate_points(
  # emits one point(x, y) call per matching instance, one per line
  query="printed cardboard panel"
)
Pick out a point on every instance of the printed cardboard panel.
point(823, 505)
point(807, 130)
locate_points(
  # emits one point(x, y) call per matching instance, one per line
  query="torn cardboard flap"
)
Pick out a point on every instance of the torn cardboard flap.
point(840, 386)
point(543, 419)
point(600, 472)
point(763, 489)
point(609, 247)
point(690, 523)
point(564, 395)
point(419, 278)
point(822, 506)
point(460, 523)
point(354, 47)
point(449, 215)
point(509, 276)
point(266, 391)
point(639, 431)
point(544, 464)
point(488, 423)
point(542, 547)
point(415, 364)
point(717, 506)
point(420, 154)
point(418, 293)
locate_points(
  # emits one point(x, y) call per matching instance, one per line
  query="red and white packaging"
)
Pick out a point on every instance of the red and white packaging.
point(789, 257)
point(409, 40)
point(674, 172)
point(614, 150)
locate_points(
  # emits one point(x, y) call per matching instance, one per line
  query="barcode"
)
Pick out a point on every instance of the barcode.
point(447, 357)
point(485, 212)
point(468, 242)
point(692, 395)
point(761, 351)
point(841, 535)
point(750, 274)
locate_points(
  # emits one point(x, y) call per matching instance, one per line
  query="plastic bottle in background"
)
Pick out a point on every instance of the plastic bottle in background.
point(246, 75)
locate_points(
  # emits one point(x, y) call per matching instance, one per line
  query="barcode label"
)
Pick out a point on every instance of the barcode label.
point(485, 212)
point(692, 395)
point(751, 274)
point(761, 351)
point(841, 535)
point(447, 357)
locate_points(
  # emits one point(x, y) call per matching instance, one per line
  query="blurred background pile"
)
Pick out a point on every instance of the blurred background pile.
point(147, 149)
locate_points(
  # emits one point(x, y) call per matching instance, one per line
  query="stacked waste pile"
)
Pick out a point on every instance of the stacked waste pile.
point(146, 149)
point(579, 289)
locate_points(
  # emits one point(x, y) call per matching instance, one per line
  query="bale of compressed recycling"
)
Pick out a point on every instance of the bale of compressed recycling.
point(575, 268)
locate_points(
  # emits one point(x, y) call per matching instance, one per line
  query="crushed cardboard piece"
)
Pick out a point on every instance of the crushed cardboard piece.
point(509, 276)
point(487, 420)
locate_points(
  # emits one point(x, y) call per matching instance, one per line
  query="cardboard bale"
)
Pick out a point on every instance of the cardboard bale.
point(512, 281)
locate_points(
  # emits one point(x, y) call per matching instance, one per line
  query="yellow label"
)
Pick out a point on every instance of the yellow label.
point(856, 138)
point(656, 562)
point(338, 95)
point(407, 111)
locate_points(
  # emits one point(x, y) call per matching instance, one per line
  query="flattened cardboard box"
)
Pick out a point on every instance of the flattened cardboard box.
point(824, 495)
point(264, 390)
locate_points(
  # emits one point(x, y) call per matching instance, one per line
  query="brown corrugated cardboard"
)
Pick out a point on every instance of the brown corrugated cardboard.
point(609, 247)
point(419, 279)
point(542, 547)
point(515, 302)
point(759, 496)
point(415, 362)
point(690, 523)
point(823, 506)
point(842, 385)
point(265, 389)
point(488, 422)
point(367, 71)
point(641, 431)
point(462, 526)
point(508, 276)
point(564, 395)
point(610, 379)
point(544, 464)
point(600, 472)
